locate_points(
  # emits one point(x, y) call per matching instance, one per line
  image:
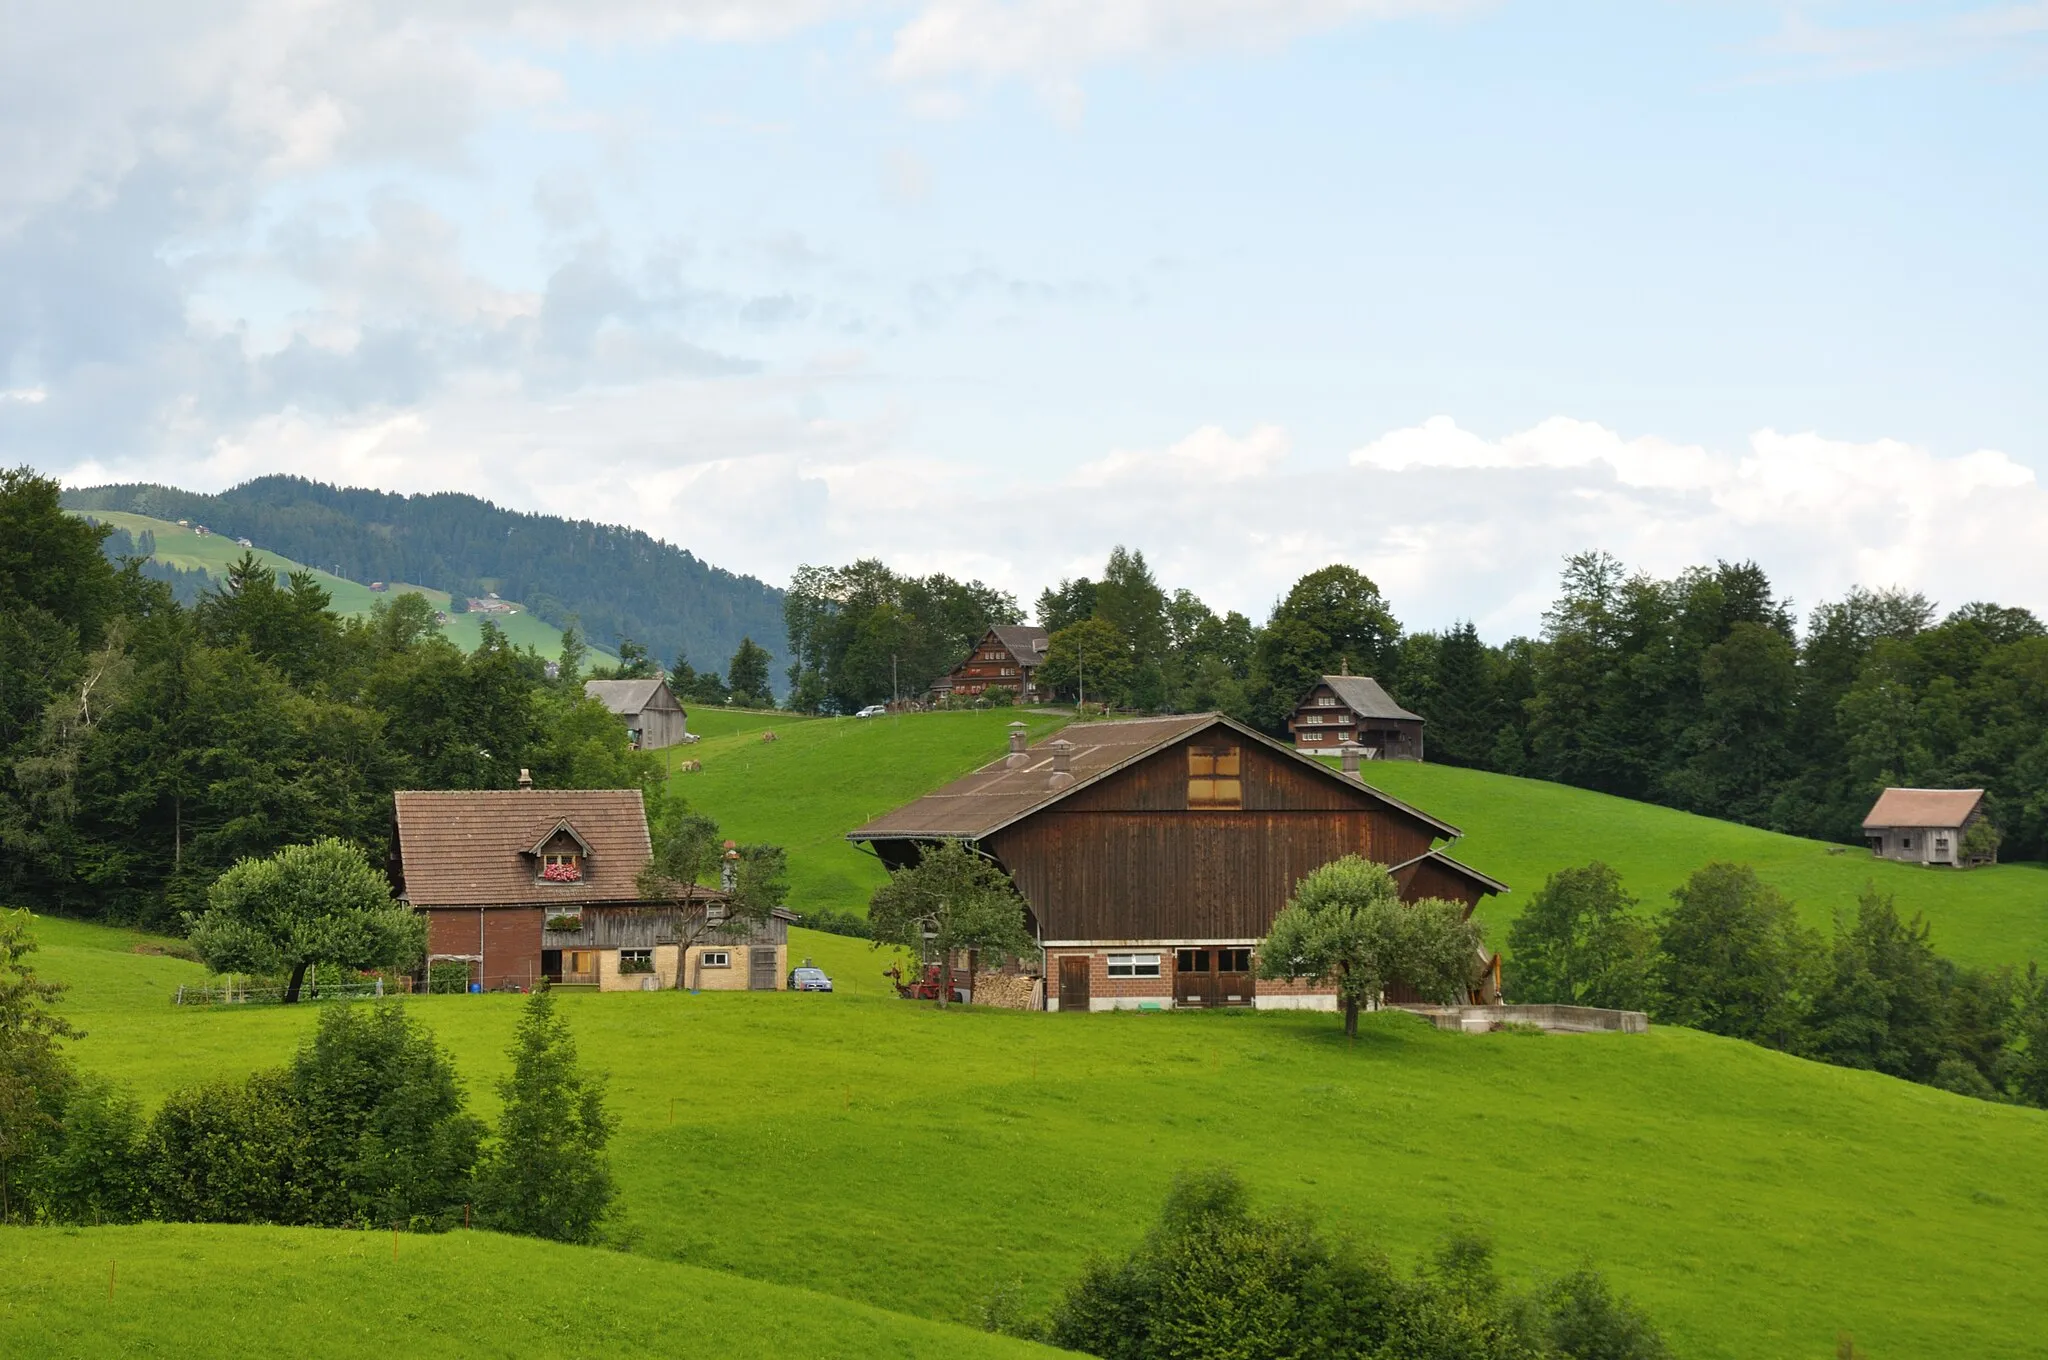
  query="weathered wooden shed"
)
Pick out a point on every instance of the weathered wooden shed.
point(1927, 826)
point(1154, 853)
point(649, 709)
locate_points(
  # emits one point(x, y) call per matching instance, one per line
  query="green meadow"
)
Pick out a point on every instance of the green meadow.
point(894, 1156)
point(1523, 830)
point(215, 553)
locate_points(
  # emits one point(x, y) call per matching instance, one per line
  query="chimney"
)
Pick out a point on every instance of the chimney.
point(1343, 665)
point(1017, 759)
point(1351, 751)
point(525, 781)
point(1062, 764)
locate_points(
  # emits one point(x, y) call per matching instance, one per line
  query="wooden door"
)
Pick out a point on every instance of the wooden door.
point(1233, 984)
point(761, 969)
point(1074, 983)
point(1194, 977)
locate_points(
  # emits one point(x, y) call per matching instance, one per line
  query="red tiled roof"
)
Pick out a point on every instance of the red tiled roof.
point(1923, 807)
point(470, 848)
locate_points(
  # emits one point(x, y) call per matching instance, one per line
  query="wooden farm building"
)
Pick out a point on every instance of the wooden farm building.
point(1926, 826)
point(1005, 658)
point(1344, 710)
point(531, 883)
point(1154, 854)
point(649, 709)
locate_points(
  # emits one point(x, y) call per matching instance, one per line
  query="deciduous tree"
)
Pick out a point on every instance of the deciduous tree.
point(951, 899)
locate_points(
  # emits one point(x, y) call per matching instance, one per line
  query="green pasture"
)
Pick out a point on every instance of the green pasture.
point(215, 553)
point(822, 777)
point(912, 1160)
point(1523, 830)
point(191, 1289)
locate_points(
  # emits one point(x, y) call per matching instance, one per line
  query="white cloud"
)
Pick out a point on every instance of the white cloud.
point(1048, 41)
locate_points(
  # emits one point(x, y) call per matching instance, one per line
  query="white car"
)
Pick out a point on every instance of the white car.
point(872, 711)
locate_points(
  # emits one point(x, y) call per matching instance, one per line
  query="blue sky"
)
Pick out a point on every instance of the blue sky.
point(1445, 290)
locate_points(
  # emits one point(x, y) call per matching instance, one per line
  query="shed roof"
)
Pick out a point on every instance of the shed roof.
point(474, 848)
point(1922, 807)
point(1363, 695)
point(1026, 643)
point(982, 803)
point(1484, 882)
point(624, 697)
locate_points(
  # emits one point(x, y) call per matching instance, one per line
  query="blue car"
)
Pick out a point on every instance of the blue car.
point(809, 980)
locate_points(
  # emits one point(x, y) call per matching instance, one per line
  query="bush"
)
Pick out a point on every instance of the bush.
point(838, 923)
point(92, 1171)
point(448, 975)
point(386, 1139)
point(228, 1152)
point(1216, 1281)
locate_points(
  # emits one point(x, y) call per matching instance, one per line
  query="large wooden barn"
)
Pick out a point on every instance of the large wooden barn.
point(1154, 853)
point(520, 885)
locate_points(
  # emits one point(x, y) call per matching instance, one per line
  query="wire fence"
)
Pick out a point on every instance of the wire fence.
point(233, 993)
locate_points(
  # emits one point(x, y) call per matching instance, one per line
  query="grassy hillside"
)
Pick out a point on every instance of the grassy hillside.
point(912, 1160)
point(214, 553)
point(1522, 830)
point(185, 1289)
point(822, 777)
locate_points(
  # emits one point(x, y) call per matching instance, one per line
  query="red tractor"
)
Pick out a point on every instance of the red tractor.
point(926, 986)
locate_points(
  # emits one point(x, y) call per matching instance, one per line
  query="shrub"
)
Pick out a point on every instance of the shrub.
point(838, 923)
point(386, 1139)
point(92, 1171)
point(228, 1152)
point(448, 975)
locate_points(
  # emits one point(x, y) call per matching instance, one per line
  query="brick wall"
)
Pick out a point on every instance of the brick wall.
point(510, 941)
point(1124, 993)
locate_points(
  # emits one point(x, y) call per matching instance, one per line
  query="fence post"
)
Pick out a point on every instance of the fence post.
point(181, 995)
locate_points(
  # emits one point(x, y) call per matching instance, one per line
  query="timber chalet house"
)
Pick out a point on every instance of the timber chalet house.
point(1005, 658)
point(1354, 710)
point(523, 884)
point(1154, 853)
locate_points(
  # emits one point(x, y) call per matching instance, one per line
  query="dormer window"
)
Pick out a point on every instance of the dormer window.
point(561, 868)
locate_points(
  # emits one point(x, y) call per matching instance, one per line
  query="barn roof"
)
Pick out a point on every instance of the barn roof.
point(623, 697)
point(1923, 807)
point(1026, 643)
point(998, 794)
point(1363, 695)
point(475, 848)
point(1484, 882)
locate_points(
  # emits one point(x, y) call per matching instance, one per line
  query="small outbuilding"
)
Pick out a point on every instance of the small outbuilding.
point(649, 709)
point(1929, 826)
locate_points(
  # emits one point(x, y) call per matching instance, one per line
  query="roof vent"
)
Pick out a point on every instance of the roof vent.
point(1017, 758)
point(1350, 751)
point(525, 780)
point(1062, 764)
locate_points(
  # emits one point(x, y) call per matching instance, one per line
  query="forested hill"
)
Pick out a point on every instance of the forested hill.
point(610, 582)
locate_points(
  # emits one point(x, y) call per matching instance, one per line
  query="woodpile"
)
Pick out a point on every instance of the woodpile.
point(1013, 991)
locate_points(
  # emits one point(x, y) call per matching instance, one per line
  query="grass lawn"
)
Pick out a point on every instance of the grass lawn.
point(190, 1289)
point(1523, 830)
point(822, 777)
point(214, 553)
point(913, 1160)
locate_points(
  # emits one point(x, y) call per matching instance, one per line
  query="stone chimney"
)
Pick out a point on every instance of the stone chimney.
point(526, 781)
point(1017, 759)
point(1350, 751)
point(1062, 764)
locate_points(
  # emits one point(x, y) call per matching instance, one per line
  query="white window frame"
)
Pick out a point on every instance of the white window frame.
point(715, 958)
point(1311, 736)
point(645, 956)
point(1133, 965)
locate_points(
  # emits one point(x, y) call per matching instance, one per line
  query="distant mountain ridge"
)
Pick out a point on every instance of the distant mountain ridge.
point(610, 581)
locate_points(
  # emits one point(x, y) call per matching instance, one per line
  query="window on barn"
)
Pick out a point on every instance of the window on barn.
point(636, 960)
point(1233, 960)
point(715, 958)
point(1134, 965)
point(566, 867)
point(1905, 843)
point(1213, 778)
point(1310, 736)
point(1326, 701)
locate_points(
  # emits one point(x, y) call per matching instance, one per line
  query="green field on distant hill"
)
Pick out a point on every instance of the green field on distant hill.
point(214, 553)
point(1523, 830)
point(912, 1160)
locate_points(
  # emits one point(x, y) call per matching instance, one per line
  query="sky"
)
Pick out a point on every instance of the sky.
point(1442, 289)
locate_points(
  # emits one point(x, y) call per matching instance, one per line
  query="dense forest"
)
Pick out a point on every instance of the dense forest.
point(610, 583)
point(146, 746)
point(1702, 692)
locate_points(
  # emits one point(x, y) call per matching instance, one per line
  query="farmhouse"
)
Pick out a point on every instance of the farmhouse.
point(1005, 658)
point(1154, 853)
point(526, 884)
point(1927, 826)
point(1351, 709)
point(649, 709)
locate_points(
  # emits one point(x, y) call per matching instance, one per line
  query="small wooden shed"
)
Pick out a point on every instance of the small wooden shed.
point(1927, 826)
point(649, 709)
